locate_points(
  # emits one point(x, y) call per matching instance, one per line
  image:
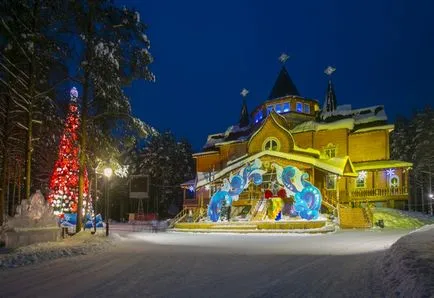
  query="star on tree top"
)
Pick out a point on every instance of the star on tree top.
point(244, 92)
point(283, 57)
point(329, 70)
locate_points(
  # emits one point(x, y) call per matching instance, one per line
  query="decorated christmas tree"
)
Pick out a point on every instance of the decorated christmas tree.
point(64, 181)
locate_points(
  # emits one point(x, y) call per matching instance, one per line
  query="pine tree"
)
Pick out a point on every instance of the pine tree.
point(64, 181)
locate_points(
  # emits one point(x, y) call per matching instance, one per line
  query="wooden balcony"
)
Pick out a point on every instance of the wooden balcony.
point(376, 193)
point(398, 193)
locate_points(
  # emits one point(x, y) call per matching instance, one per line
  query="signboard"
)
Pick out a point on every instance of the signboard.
point(139, 187)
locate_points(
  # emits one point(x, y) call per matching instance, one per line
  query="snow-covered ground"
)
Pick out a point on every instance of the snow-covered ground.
point(408, 266)
point(80, 244)
point(347, 263)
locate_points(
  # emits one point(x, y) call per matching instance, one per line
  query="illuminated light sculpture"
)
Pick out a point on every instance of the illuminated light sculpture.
point(191, 188)
point(63, 194)
point(233, 187)
point(390, 172)
point(307, 198)
point(362, 175)
point(275, 211)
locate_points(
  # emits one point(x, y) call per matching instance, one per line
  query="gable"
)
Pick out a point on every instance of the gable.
point(271, 128)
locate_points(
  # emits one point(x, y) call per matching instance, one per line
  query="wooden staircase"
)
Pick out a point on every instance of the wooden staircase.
point(260, 210)
point(350, 218)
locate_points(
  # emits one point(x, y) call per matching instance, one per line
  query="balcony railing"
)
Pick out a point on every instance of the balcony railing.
point(379, 192)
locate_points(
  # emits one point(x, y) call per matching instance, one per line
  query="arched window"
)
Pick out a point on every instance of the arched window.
point(271, 144)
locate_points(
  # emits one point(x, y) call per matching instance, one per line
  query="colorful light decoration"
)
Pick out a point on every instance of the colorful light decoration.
point(362, 175)
point(63, 194)
point(390, 172)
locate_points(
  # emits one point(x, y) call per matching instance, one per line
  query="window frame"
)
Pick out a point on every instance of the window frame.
point(333, 178)
point(297, 105)
point(271, 140)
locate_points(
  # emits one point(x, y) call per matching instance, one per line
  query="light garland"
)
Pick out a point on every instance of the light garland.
point(64, 186)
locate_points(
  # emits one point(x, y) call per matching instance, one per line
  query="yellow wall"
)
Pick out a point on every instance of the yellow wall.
point(205, 163)
point(369, 146)
point(270, 129)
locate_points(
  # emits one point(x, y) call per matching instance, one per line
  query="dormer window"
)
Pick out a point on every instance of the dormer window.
point(299, 107)
point(330, 150)
point(307, 108)
point(271, 144)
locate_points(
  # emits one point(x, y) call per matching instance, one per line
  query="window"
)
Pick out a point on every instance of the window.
point(331, 182)
point(286, 107)
point(299, 107)
point(278, 108)
point(271, 144)
point(307, 108)
point(269, 109)
point(330, 151)
point(258, 116)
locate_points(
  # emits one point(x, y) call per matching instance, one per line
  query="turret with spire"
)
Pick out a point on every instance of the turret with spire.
point(283, 85)
point(330, 102)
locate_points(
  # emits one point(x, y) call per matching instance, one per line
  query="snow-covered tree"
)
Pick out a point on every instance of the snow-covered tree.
point(114, 53)
point(169, 163)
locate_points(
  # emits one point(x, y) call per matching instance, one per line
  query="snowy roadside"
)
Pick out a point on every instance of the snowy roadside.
point(408, 266)
point(81, 244)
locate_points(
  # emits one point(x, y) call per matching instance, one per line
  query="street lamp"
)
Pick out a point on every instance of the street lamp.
point(107, 173)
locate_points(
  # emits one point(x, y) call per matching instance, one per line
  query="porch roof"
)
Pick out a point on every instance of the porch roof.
point(338, 166)
point(381, 164)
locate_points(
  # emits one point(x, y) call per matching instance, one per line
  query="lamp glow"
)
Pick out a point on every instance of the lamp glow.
point(108, 172)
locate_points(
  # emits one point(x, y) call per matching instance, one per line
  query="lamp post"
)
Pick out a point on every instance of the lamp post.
point(430, 195)
point(107, 173)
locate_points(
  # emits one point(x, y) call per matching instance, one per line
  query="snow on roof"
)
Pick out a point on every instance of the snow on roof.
point(363, 115)
point(381, 164)
point(205, 153)
point(379, 127)
point(334, 165)
point(307, 150)
point(316, 126)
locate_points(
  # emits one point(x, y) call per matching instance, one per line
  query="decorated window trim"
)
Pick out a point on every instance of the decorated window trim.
point(330, 150)
point(270, 141)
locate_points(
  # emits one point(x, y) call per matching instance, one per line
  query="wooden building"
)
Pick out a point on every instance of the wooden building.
point(345, 151)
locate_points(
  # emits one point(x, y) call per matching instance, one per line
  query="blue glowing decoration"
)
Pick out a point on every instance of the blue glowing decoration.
point(390, 172)
point(233, 187)
point(307, 198)
point(191, 188)
point(74, 94)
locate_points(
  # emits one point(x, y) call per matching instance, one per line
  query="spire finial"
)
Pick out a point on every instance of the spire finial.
point(283, 57)
point(329, 70)
point(244, 92)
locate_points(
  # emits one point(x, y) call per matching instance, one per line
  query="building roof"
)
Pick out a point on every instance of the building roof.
point(381, 164)
point(244, 117)
point(283, 86)
point(336, 165)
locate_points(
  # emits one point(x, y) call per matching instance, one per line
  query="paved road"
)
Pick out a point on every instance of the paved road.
point(196, 265)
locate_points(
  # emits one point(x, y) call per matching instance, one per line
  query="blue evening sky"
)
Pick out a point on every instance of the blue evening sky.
point(207, 51)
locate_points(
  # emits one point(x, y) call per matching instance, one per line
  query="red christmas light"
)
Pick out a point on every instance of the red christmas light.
point(64, 181)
